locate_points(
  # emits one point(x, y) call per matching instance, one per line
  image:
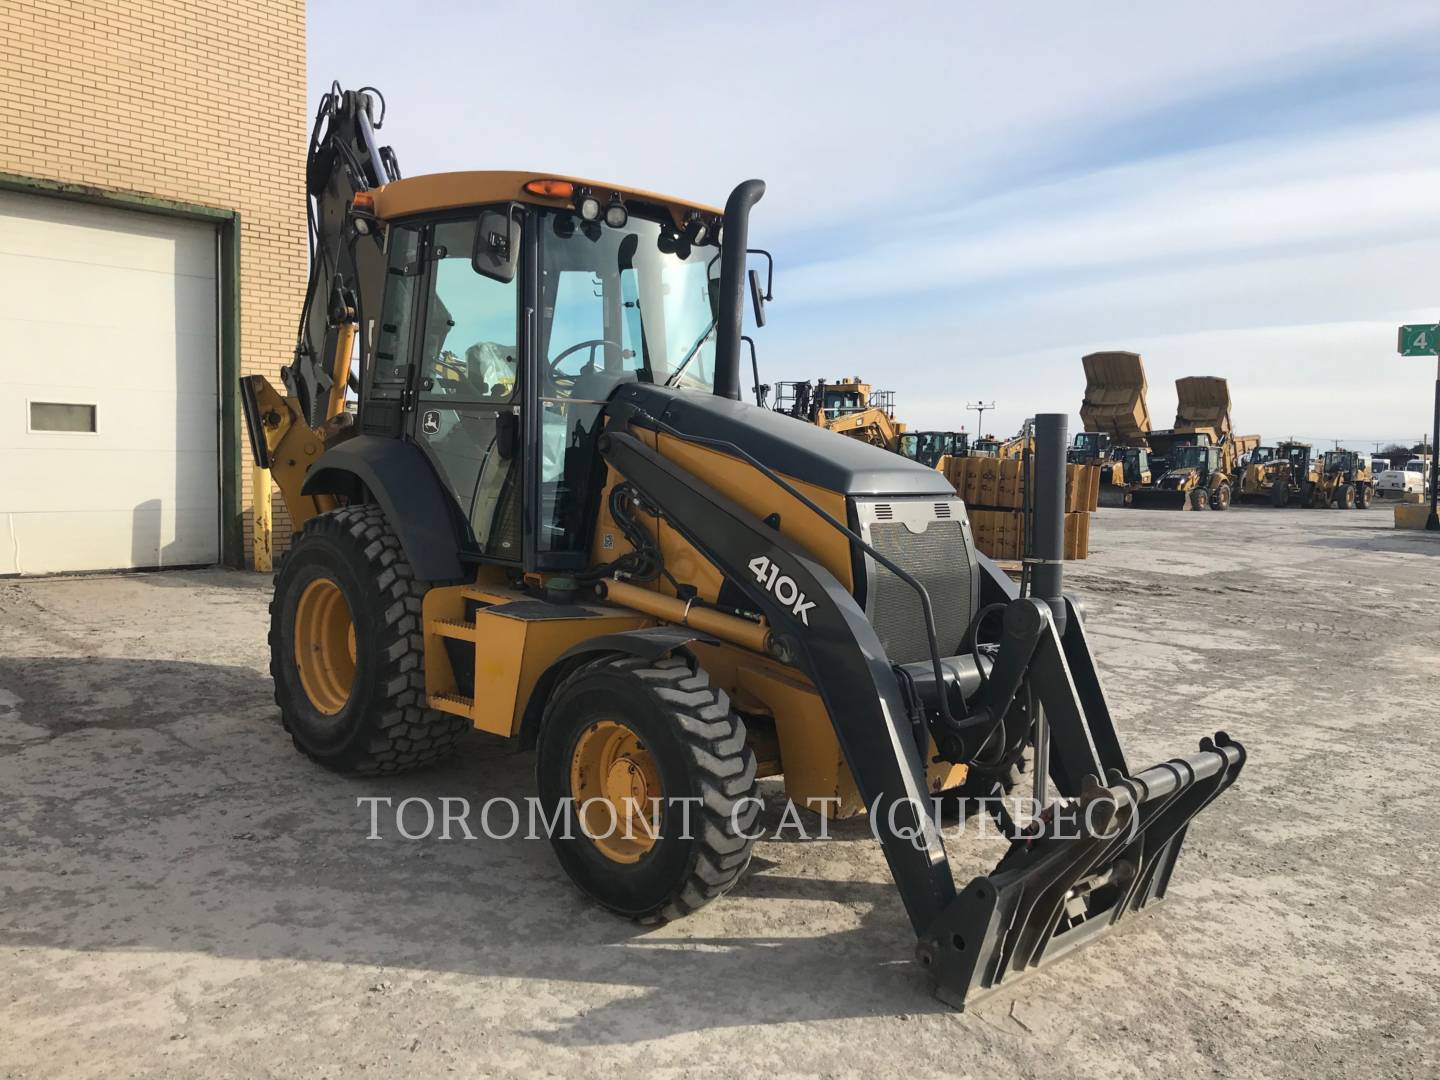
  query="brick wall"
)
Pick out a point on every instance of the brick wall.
point(197, 102)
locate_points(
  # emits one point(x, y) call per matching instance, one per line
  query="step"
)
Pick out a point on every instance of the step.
point(453, 703)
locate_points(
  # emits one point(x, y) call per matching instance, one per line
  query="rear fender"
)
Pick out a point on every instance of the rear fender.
point(401, 479)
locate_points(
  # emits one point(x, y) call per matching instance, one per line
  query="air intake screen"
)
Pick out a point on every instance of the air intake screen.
point(939, 559)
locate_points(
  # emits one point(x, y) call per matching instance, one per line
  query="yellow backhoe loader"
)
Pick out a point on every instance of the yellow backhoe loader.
point(1195, 463)
point(553, 518)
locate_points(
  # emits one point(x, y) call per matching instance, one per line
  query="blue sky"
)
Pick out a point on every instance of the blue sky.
point(965, 198)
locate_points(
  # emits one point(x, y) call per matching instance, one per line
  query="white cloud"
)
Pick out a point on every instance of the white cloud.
point(911, 136)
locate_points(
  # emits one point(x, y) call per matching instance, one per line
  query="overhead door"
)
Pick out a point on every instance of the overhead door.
point(109, 413)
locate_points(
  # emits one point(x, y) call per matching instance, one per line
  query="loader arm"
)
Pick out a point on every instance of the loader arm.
point(1110, 841)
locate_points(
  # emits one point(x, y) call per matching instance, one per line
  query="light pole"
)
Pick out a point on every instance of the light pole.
point(1432, 522)
point(980, 407)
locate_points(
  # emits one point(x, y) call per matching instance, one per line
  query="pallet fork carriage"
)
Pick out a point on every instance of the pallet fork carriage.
point(551, 517)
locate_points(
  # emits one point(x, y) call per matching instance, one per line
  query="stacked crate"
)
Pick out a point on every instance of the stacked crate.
point(994, 494)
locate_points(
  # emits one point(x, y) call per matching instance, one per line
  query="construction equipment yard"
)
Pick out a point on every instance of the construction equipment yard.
point(184, 895)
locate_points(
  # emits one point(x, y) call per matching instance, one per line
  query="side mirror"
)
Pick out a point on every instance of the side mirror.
point(497, 244)
point(757, 298)
point(507, 434)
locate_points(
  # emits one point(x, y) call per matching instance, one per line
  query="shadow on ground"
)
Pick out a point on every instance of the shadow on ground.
point(163, 809)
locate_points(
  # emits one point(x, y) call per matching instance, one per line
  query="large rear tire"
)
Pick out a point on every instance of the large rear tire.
point(619, 734)
point(347, 649)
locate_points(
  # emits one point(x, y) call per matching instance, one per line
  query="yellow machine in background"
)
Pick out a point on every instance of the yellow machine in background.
point(1195, 464)
point(1117, 422)
point(846, 406)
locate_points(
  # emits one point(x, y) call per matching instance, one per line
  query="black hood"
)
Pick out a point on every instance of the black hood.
point(792, 447)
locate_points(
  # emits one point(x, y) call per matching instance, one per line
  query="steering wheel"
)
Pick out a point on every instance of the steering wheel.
point(592, 344)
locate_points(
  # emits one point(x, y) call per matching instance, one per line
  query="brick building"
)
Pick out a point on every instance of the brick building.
point(152, 249)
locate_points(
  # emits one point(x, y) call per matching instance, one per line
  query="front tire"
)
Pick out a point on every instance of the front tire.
point(1199, 499)
point(633, 736)
point(1220, 498)
point(347, 648)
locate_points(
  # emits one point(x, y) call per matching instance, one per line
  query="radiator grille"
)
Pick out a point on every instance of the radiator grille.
point(940, 558)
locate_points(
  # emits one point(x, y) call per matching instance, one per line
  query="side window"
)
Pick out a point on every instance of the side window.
point(466, 395)
point(471, 352)
point(397, 313)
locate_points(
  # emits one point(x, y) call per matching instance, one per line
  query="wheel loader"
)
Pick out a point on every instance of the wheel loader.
point(1344, 481)
point(551, 517)
point(1293, 476)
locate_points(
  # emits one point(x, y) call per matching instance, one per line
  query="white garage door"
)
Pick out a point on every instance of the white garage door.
point(109, 429)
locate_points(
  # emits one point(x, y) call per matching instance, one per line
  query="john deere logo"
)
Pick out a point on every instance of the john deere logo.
point(430, 422)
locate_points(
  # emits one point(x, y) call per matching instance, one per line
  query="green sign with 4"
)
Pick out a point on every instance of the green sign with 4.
point(1421, 339)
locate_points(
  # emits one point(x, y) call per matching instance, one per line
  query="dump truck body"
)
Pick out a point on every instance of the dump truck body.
point(1114, 403)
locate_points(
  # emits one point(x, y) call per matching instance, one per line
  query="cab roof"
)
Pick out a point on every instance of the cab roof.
point(453, 190)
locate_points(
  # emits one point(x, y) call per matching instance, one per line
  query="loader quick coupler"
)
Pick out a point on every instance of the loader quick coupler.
point(1055, 891)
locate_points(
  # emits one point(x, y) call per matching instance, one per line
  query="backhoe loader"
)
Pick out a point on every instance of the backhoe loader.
point(551, 517)
point(1195, 464)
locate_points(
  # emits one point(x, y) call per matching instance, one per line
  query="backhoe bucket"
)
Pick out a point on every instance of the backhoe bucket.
point(1152, 498)
point(1091, 862)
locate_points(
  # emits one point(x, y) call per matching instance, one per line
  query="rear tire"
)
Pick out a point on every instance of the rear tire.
point(1363, 495)
point(366, 715)
point(686, 742)
point(1345, 497)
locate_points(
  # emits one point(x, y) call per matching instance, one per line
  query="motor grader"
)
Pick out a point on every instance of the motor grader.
point(551, 517)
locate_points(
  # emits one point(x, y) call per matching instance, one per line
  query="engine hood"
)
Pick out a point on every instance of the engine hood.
point(792, 447)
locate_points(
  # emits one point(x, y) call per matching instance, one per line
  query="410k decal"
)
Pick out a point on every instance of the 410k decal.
point(782, 586)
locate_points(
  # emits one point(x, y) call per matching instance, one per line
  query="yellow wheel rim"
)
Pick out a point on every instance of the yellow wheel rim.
point(325, 645)
point(616, 787)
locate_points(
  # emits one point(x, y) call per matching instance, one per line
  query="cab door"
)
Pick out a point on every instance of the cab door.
point(466, 385)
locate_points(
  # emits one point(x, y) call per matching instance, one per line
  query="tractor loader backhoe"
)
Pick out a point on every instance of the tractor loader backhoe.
point(553, 519)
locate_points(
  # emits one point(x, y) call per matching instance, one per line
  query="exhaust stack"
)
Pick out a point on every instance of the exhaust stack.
point(730, 319)
point(1048, 541)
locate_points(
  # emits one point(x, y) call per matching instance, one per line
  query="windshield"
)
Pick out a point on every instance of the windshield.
point(1191, 457)
point(1415, 466)
point(1297, 454)
point(1089, 441)
point(839, 402)
point(1262, 454)
point(632, 304)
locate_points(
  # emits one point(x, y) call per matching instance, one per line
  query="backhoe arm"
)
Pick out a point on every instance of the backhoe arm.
point(289, 432)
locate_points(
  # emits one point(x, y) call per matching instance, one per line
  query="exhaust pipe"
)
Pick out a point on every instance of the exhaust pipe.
point(1048, 538)
point(729, 322)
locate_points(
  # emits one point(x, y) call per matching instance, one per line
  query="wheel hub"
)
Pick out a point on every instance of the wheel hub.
point(614, 780)
point(325, 645)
